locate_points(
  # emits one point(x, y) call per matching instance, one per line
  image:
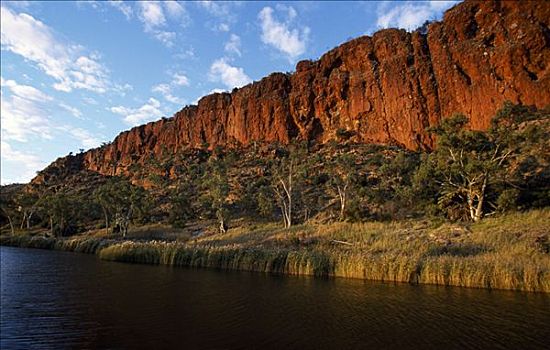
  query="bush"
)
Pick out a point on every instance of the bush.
point(507, 200)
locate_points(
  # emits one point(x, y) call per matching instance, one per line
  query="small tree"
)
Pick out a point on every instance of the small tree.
point(141, 204)
point(286, 180)
point(103, 198)
point(264, 201)
point(56, 206)
point(526, 131)
point(393, 189)
point(463, 162)
point(283, 188)
point(180, 210)
point(218, 189)
point(343, 175)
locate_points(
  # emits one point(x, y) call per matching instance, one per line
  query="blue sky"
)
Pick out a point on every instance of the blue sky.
point(75, 74)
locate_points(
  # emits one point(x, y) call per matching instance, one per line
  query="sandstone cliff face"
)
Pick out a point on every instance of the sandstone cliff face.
point(388, 88)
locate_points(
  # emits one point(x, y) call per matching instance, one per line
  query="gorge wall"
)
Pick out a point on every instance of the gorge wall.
point(386, 89)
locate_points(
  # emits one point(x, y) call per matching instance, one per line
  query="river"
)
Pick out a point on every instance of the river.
point(59, 300)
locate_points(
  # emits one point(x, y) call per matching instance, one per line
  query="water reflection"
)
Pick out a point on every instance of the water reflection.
point(67, 300)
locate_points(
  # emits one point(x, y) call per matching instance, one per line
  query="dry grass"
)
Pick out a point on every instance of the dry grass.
point(498, 252)
point(82, 244)
point(146, 232)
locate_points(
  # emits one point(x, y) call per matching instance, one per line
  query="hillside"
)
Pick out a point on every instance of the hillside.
point(385, 89)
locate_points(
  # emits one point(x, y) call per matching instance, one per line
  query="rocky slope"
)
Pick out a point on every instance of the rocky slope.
point(386, 89)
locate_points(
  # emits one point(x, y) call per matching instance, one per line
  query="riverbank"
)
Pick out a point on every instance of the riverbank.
point(508, 252)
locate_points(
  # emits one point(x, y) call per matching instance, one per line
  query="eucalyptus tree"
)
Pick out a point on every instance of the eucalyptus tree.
point(56, 206)
point(471, 166)
point(121, 202)
point(287, 179)
point(27, 203)
point(343, 175)
point(217, 184)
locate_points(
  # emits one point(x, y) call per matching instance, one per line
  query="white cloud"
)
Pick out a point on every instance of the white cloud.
point(161, 88)
point(122, 7)
point(25, 115)
point(25, 91)
point(87, 140)
point(26, 36)
point(155, 16)
point(180, 80)
point(411, 14)
point(175, 9)
point(23, 118)
point(174, 99)
point(230, 76)
point(223, 27)
point(152, 15)
point(24, 112)
point(136, 116)
point(166, 89)
point(219, 9)
point(233, 45)
point(74, 111)
point(122, 89)
point(27, 164)
point(213, 91)
point(166, 92)
point(292, 42)
point(216, 91)
point(222, 11)
point(90, 100)
point(167, 38)
point(186, 54)
point(291, 12)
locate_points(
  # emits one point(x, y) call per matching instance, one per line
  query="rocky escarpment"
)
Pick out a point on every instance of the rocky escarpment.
point(386, 89)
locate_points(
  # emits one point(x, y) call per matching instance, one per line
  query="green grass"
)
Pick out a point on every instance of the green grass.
point(500, 253)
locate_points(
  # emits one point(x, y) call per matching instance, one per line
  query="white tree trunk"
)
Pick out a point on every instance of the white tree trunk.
point(11, 225)
point(283, 191)
point(223, 228)
point(342, 195)
point(23, 220)
point(106, 220)
point(480, 199)
point(476, 199)
point(29, 220)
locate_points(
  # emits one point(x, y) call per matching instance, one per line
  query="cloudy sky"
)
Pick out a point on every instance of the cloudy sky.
point(75, 74)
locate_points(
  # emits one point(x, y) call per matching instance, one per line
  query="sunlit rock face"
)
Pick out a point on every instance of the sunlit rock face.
point(386, 89)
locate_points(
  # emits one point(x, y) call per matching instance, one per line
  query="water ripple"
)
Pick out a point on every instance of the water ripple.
point(56, 300)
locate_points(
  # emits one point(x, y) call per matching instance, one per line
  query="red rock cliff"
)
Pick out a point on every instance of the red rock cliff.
point(387, 88)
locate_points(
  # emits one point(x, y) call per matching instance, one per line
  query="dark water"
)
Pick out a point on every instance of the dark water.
point(60, 300)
